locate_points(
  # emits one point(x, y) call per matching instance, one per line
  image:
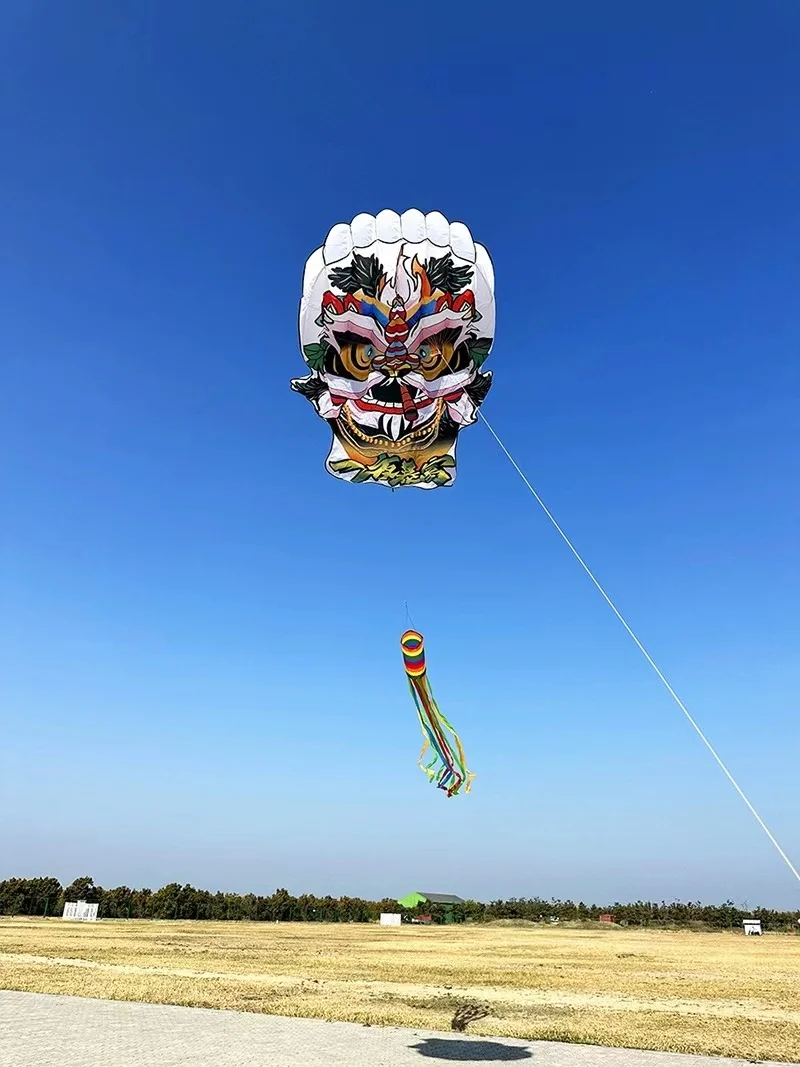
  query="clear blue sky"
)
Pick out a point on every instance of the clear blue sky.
point(201, 677)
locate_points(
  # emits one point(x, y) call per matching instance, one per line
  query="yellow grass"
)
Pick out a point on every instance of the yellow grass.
point(673, 991)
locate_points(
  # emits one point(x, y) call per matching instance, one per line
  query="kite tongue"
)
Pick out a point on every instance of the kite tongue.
point(409, 407)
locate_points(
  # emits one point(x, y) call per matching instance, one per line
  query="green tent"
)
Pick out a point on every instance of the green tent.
point(447, 900)
point(413, 900)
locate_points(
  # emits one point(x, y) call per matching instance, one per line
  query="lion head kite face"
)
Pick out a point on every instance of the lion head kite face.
point(396, 320)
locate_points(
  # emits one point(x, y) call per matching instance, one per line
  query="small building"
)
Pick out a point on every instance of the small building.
point(445, 900)
point(752, 926)
point(80, 910)
point(606, 918)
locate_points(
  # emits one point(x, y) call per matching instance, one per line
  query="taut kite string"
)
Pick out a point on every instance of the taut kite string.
point(640, 646)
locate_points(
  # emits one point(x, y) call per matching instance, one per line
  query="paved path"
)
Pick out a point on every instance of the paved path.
point(39, 1030)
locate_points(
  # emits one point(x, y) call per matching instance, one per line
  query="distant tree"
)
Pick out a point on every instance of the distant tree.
point(165, 902)
point(83, 889)
point(140, 904)
point(30, 896)
point(117, 903)
point(44, 896)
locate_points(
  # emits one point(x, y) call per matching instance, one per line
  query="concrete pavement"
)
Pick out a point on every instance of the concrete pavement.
point(40, 1030)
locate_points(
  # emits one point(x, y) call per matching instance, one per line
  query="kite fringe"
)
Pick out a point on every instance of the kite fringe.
point(447, 768)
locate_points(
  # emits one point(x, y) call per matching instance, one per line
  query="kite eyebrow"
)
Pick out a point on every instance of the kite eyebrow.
point(347, 337)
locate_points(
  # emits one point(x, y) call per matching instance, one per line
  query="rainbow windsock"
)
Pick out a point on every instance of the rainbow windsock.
point(448, 767)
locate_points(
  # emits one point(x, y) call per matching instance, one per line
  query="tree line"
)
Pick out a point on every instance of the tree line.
point(46, 896)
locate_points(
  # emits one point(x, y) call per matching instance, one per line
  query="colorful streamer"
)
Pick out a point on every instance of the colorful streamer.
point(448, 766)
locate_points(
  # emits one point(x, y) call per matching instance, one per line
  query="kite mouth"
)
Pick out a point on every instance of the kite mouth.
point(394, 413)
point(385, 427)
point(393, 397)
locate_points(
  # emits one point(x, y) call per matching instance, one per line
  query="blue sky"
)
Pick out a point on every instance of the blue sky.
point(201, 673)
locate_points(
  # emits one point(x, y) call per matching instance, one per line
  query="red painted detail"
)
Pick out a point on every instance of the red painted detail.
point(466, 299)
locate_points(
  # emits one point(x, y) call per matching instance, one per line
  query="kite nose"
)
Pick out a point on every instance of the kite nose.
point(396, 367)
point(409, 407)
point(396, 359)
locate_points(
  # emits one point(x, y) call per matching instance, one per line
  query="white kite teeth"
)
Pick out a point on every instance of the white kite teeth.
point(412, 223)
point(339, 243)
point(389, 227)
point(363, 230)
point(461, 242)
point(438, 228)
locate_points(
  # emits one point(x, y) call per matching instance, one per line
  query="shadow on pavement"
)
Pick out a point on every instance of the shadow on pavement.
point(442, 1048)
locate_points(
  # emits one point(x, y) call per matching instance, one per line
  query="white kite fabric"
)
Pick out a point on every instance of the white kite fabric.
point(396, 321)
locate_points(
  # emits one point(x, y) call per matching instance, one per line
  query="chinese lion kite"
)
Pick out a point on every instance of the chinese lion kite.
point(396, 322)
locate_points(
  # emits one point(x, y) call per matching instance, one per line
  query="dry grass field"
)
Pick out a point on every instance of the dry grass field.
point(674, 991)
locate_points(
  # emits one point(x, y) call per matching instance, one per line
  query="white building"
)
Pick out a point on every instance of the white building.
point(80, 910)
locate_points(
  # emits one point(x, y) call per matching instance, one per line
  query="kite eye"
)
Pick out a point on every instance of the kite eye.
point(432, 361)
point(353, 360)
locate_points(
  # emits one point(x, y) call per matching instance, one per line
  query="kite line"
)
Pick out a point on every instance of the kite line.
point(639, 645)
point(397, 303)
